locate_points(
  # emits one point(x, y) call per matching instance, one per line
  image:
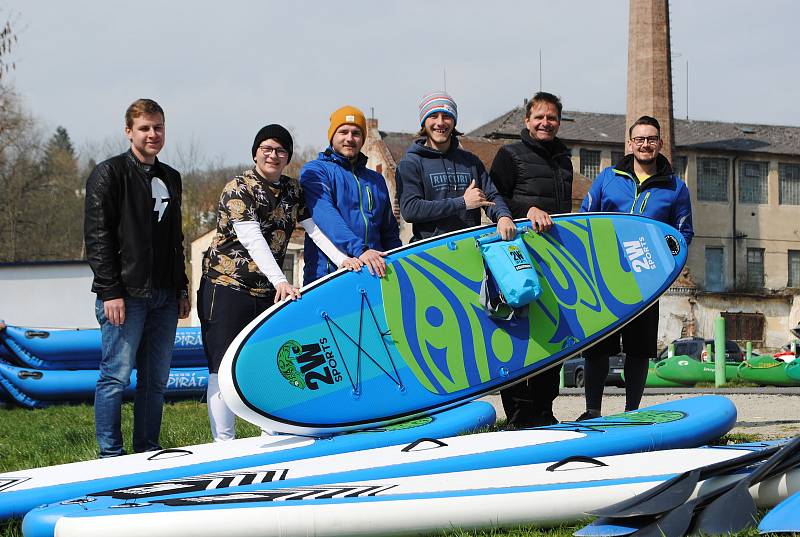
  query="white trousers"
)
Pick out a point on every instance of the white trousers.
point(223, 421)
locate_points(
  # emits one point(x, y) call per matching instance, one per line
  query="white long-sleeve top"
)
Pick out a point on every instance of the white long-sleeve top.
point(249, 235)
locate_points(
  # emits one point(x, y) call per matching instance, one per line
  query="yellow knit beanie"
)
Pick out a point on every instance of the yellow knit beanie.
point(347, 115)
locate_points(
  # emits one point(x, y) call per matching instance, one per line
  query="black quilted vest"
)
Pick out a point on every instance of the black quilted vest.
point(543, 180)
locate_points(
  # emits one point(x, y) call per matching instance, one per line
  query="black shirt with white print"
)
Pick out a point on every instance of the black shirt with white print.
point(162, 273)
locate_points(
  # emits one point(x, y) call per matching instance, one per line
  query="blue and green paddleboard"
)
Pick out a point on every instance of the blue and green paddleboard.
point(357, 350)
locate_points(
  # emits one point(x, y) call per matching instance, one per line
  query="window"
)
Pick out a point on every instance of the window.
point(288, 267)
point(715, 269)
point(789, 179)
point(794, 268)
point(590, 163)
point(744, 326)
point(616, 156)
point(679, 166)
point(755, 268)
point(753, 181)
point(712, 179)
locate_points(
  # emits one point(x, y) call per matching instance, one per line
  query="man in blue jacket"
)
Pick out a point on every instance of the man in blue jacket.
point(641, 183)
point(442, 187)
point(348, 201)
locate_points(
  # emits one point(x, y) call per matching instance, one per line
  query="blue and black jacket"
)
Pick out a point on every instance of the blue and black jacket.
point(663, 196)
point(351, 205)
point(431, 186)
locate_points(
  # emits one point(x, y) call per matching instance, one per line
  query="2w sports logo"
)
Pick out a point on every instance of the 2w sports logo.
point(520, 262)
point(639, 255)
point(308, 365)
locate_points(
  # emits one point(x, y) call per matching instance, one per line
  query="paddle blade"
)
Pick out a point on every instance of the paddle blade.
point(674, 524)
point(732, 512)
point(732, 509)
point(679, 489)
point(613, 527)
point(666, 496)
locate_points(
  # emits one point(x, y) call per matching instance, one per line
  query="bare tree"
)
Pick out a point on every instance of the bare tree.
point(7, 41)
point(21, 187)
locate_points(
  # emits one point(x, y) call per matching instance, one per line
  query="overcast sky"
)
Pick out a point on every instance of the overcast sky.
point(221, 70)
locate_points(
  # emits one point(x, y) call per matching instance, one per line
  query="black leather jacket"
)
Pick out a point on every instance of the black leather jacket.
point(118, 227)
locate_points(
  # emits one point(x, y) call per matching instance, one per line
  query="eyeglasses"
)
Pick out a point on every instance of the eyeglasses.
point(640, 140)
point(279, 152)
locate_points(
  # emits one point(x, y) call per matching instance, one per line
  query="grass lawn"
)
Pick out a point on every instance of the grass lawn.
point(65, 433)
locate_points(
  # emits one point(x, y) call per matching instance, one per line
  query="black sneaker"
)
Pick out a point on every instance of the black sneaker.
point(589, 414)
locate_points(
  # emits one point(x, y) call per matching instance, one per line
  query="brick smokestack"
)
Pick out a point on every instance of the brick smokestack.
point(650, 67)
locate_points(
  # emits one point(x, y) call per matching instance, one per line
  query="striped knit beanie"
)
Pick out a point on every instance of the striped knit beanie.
point(438, 101)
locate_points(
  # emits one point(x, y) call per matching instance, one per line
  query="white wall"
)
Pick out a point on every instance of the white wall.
point(47, 295)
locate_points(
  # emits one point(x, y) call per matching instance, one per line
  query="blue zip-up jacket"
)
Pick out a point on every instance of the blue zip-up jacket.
point(431, 186)
point(663, 197)
point(351, 205)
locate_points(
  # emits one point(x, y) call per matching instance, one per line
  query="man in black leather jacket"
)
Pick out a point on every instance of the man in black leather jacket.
point(534, 176)
point(134, 244)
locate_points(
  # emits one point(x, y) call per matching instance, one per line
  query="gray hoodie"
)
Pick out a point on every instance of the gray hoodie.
point(431, 186)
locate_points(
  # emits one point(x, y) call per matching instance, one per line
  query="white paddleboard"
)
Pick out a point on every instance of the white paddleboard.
point(542, 494)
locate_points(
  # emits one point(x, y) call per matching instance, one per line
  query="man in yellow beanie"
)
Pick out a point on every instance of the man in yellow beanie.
point(349, 202)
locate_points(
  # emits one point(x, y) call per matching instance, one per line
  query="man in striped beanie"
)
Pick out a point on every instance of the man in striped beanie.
point(438, 101)
point(442, 187)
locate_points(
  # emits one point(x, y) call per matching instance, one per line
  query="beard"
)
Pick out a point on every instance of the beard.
point(645, 161)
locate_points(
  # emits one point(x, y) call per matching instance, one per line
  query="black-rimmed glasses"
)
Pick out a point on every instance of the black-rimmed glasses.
point(279, 151)
point(640, 140)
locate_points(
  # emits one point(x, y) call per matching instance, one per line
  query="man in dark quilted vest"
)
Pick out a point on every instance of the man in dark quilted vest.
point(534, 176)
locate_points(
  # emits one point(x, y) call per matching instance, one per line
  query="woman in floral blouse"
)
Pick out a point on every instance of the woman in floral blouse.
point(242, 274)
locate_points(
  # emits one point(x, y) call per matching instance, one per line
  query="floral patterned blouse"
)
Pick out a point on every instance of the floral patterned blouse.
point(250, 198)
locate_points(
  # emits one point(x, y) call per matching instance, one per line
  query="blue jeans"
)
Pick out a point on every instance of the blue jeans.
point(144, 341)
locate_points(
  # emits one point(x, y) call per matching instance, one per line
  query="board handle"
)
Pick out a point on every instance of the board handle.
point(574, 458)
point(170, 451)
point(43, 334)
point(419, 441)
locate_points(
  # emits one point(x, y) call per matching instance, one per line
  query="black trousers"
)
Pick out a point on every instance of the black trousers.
point(529, 402)
point(639, 341)
point(223, 313)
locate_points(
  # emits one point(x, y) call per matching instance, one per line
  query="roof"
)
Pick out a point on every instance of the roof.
point(602, 128)
point(484, 148)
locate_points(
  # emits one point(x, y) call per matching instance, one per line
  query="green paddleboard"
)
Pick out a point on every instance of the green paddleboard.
point(654, 381)
point(687, 371)
point(767, 371)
